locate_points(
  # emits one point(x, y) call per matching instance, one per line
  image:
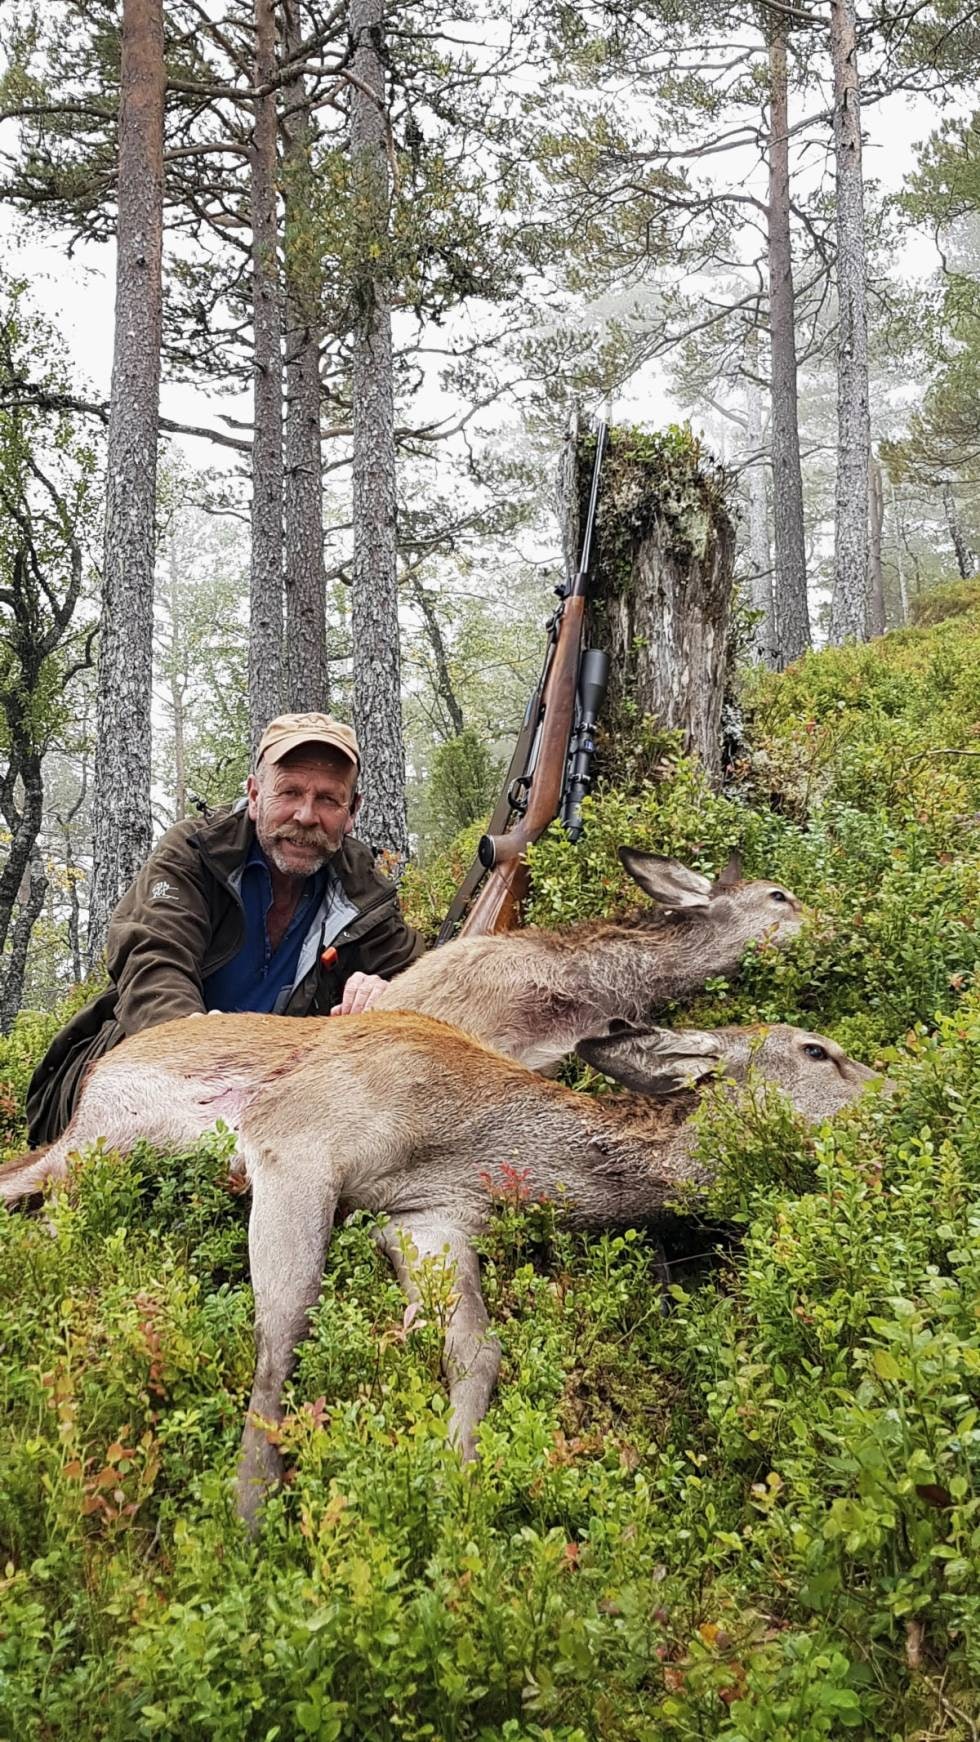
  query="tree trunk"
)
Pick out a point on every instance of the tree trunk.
point(849, 607)
point(903, 592)
point(876, 500)
point(15, 967)
point(964, 555)
point(265, 650)
point(442, 679)
point(792, 615)
point(764, 638)
point(121, 804)
point(23, 821)
point(374, 593)
point(660, 604)
point(73, 874)
point(306, 673)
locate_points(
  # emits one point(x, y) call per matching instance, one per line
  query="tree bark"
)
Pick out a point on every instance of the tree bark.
point(903, 592)
point(374, 592)
point(121, 795)
point(662, 583)
point(876, 502)
point(23, 821)
point(15, 967)
point(849, 606)
point(442, 679)
point(964, 556)
point(265, 647)
point(306, 673)
point(765, 643)
point(792, 615)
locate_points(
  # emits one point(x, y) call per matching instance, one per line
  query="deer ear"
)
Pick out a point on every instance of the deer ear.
point(666, 881)
point(655, 1061)
point(731, 873)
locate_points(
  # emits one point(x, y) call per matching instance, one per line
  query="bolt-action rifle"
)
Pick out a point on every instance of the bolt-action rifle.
point(550, 769)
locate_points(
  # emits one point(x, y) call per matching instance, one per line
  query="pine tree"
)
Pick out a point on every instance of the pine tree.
point(374, 600)
point(849, 606)
point(121, 806)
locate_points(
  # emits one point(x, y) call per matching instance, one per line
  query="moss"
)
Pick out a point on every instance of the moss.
point(660, 480)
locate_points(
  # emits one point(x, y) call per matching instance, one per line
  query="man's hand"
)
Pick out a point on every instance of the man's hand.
point(360, 993)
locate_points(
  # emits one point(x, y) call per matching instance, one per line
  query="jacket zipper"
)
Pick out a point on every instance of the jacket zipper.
point(220, 877)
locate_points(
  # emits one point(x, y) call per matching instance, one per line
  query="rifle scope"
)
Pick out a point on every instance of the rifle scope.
point(592, 680)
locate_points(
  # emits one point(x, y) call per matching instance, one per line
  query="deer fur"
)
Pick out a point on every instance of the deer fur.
point(406, 1117)
point(535, 994)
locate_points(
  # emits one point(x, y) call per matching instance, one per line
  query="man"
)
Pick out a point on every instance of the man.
point(269, 905)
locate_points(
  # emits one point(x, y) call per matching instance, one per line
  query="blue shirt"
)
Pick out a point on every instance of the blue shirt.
point(257, 976)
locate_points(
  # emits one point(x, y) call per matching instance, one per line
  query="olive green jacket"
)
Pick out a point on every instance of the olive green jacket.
point(183, 919)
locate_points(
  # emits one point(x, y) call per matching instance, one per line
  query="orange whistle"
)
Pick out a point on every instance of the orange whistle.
point(329, 957)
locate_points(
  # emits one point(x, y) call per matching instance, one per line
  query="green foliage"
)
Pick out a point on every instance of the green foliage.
point(20, 1051)
point(463, 786)
point(755, 1519)
point(428, 886)
point(955, 599)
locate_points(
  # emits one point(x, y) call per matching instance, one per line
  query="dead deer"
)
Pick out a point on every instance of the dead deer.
point(534, 994)
point(408, 1118)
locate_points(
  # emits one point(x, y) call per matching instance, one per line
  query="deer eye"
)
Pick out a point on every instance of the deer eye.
point(778, 895)
point(813, 1051)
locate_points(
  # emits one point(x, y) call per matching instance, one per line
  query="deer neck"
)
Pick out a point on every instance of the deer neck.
point(626, 970)
point(617, 1159)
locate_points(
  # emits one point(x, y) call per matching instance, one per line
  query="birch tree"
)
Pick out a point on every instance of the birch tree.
point(374, 594)
point(849, 607)
point(121, 796)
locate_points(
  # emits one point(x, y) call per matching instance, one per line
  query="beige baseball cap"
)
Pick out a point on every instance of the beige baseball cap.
point(288, 731)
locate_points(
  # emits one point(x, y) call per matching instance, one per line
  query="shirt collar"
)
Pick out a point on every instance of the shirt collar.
point(315, 884)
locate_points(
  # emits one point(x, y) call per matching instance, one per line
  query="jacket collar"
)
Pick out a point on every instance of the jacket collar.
point(225, 840)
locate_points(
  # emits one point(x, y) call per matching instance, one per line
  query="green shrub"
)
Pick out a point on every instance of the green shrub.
point(939, 603)
point(20, 1051)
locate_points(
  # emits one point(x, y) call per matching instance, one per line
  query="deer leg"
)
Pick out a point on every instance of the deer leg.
point(471, 1354)
point(289, 1229)
point(27, 1173)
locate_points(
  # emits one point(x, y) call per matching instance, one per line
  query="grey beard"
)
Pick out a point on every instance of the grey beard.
point(278, 859)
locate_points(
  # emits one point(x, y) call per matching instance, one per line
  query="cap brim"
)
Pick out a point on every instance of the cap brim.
point(293, 740)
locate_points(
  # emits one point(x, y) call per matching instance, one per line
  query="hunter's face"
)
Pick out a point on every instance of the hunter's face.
point(302, 808)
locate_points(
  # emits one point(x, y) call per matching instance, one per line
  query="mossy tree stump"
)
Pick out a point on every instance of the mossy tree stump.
point(661, 580)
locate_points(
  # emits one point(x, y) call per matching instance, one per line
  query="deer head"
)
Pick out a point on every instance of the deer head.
point(716, 921)
point(811, 1069)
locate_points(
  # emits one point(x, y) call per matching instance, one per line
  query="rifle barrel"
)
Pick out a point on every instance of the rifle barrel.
point(552, 756)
